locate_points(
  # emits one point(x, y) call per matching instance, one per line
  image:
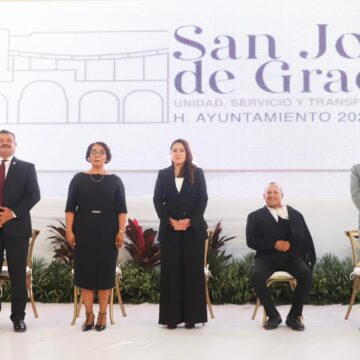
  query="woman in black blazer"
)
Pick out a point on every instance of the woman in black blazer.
point(180, 199)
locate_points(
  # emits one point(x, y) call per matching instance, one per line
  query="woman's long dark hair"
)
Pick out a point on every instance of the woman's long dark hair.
point(189, 168)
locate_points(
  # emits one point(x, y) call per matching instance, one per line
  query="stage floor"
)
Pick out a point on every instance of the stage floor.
point(231, 335)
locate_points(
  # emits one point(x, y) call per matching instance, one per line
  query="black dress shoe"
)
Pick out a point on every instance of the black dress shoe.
point(189, 325)
point(295, 323)
point(19, 326)
point(272, 322)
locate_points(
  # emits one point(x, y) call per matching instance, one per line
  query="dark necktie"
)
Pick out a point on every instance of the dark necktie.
point(2, 180)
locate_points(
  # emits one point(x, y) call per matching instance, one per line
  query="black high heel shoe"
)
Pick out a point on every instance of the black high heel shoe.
point(87, 325)
point(99, 326)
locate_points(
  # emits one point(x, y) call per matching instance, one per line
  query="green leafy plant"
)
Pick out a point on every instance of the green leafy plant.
point(142, 247)
point(216, 257)
point(216, 241)
point(218, 262)
point(232, 285)
point(62, 250)
point(140, 285)
point(53, 282)
point(331, 280)
point(245, 266)
point(331, 283)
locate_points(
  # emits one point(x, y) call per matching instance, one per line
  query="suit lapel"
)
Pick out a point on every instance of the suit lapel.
point(292, 217)
point(183, 186)
point(170, 179)
point(268, 216)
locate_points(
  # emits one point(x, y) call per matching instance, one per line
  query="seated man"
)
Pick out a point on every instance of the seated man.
point(282, 242)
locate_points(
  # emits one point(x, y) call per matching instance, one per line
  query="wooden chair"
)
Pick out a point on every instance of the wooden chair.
point(353, 236)
point(277, 276)
point(5, 277)
point(78, 300)
point(208, 273)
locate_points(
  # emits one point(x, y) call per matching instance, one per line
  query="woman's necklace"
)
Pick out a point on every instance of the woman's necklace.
point(96, 180)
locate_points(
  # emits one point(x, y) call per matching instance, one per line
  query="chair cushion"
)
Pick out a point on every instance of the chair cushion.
point(207, 272)
point(356, 272)
point(118, 271)
point(280, 275)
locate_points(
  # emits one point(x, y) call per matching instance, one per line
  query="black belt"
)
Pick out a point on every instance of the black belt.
point(96, 211)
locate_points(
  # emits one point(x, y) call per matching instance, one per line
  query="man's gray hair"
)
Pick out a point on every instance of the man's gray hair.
point(273, 183)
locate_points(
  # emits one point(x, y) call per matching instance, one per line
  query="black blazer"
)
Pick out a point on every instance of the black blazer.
point(260, 235)
point(190, 202)
point(21, 193)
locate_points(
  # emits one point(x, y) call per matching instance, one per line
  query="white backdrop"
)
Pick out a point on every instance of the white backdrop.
point(75, 71)
point(263, 91)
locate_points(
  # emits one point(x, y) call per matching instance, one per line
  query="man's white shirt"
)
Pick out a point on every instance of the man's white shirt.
point(279, 212)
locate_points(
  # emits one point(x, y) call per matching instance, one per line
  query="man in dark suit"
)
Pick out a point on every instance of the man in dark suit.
point(355, 187)
point(282, 242)
point(19, 192)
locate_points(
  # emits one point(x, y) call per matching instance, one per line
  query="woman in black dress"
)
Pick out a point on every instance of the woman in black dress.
point(180, 199)
point(95, 227)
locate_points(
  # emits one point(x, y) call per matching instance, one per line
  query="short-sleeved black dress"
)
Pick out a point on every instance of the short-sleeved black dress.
point(96, 201)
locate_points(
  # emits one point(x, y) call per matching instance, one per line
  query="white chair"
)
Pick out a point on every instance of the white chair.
point(353, 236)
point(277, 276)
point(208, 275)
point(78, 300)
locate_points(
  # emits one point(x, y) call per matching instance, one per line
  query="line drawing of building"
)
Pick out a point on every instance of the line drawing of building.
point(103, 77)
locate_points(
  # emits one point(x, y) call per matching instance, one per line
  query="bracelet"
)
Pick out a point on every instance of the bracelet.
point(121, 231)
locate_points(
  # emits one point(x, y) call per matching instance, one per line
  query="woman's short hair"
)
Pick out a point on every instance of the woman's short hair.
point(102, 144)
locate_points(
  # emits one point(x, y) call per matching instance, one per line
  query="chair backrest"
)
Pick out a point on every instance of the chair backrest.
point(353, 236)
point(207, 245)
point(34, 235)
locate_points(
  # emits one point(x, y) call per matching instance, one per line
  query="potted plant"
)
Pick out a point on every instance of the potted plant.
point(141, 245)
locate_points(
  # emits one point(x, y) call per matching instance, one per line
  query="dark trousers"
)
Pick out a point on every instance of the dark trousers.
point(182, 280)
point(16, 256)
point(267, 265)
